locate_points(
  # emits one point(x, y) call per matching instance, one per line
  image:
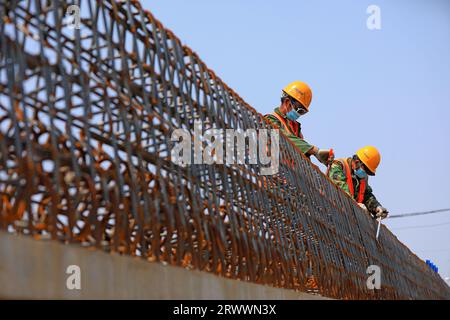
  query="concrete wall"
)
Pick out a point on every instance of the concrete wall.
point(33, 269)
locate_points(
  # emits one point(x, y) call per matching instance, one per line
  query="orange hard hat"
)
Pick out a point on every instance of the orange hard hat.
point(370, 157)
point(300, 91)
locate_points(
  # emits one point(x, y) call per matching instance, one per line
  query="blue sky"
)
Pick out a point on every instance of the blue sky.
point(389, 88)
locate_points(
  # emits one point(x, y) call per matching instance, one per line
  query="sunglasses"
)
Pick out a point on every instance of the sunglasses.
point(298, 107)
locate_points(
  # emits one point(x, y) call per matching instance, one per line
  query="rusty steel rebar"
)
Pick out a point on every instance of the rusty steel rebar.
point(85, 122)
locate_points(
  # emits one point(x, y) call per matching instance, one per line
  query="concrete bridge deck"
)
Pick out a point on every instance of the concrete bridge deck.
point(31, 269)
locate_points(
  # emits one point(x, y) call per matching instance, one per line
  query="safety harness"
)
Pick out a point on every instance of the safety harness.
point(348, 174)
point(293, 127)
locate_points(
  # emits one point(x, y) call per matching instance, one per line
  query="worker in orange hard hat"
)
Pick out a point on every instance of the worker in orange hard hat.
point(351, 175)
point(295, 100)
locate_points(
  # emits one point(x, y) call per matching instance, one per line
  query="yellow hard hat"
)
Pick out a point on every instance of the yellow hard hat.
point(370, 157)
point(300, 91)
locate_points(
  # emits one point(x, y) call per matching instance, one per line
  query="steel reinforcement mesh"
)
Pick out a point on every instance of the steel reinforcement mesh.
point(86, 117)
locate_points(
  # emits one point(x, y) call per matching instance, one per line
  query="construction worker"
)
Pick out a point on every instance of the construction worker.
point(295, 100)
point(351, 175)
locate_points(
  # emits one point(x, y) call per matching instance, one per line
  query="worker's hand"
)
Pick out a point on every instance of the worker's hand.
point(381, 212)
point(362, 206)
point(325, 156)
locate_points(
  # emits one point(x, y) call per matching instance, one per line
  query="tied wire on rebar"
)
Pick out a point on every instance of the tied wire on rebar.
point(86, 117)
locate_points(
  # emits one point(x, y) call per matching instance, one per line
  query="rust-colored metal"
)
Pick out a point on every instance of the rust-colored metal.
point(85, 123)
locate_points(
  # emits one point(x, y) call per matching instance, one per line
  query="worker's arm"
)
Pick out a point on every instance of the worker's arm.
point(337, 174)
point(370, 201)
point(304, 146)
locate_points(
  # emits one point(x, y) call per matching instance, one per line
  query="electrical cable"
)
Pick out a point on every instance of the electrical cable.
point(404, 215)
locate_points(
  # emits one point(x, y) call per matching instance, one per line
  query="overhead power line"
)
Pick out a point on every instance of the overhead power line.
point(433, 250)
point(405, 215)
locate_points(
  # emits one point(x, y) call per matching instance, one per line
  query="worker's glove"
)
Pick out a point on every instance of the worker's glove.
point(381, 212)
point(325, 156)
point(362, 206)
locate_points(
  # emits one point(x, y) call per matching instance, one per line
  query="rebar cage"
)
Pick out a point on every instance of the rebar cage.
point(86, 116)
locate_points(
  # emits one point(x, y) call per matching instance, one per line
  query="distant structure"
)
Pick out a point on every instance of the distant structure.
point(86, 116)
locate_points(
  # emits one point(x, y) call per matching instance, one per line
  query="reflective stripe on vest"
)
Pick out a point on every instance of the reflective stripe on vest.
point(295, 131)
point(362, 186)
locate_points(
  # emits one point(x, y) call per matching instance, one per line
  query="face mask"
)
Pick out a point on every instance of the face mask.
point(293, 115)
point(360, 173)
